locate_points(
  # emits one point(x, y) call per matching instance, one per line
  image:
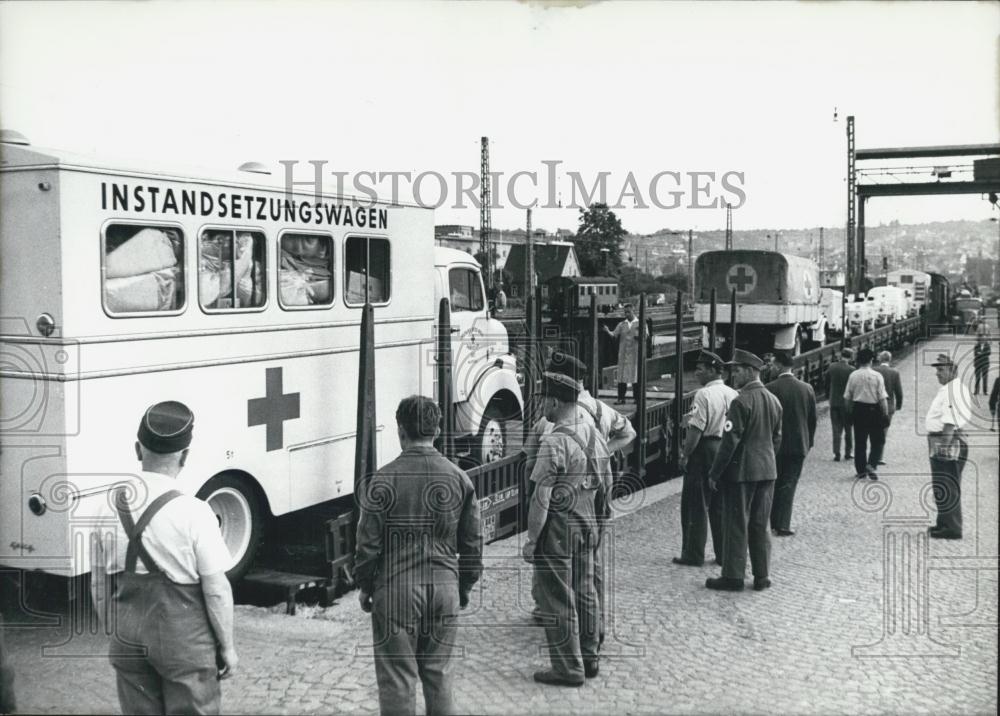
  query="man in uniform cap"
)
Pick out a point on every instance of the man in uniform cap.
point(948, 449)
point(615, 430)
point(571, 467)
point(701, 507)
point(744, 470)
point(836, 380)
point(172, 606)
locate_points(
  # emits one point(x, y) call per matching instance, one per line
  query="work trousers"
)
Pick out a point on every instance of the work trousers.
point(869, 425)
point(564, 561)
point(789, 470)
point(838, 419)
point(413, 627)
point(635, 392)
point(163, 647)
point(983, 377)
point(746, 507)
point(946, 479)
point(697, 503)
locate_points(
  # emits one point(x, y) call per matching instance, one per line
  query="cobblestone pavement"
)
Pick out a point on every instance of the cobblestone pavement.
point(829, 637)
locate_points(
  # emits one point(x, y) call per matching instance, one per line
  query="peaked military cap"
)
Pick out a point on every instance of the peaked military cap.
point(166, 427)
point(710, 359)
point(741, 357)
point(943, 359)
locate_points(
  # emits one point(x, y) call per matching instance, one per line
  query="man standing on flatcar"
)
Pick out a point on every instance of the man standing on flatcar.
point(744, 470)
point(172, 606)
point(419, 552)
point(701, 507)
point(627, 333)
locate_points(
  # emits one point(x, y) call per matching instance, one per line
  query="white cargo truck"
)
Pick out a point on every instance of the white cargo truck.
point(125, 286)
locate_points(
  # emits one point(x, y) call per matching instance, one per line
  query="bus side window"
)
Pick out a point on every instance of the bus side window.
point(368, 270)
point(225, 283)
point(305, 272)
point(143, 269)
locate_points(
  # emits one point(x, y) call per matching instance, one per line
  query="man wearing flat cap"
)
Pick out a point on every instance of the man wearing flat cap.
point(572, 466)
point(744, 471)
point(171, 609)
point(701, 507)
point(949, 412)
point(617, 433)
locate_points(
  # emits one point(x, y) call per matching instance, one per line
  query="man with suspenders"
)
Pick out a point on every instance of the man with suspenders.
point(617, 432)
point(171, 610)
point(571, 468)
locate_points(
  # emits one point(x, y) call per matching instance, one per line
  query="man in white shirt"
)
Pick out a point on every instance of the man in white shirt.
point(171, 609)
point(700, 507)
point(867, 407)
point(947, 447)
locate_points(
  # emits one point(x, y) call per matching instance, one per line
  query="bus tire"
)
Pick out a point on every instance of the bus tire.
point(237, 508)
point(490, 443)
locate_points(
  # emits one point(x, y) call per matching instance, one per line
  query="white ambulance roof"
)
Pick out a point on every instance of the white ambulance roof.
point(444, 256)
point(16, 157)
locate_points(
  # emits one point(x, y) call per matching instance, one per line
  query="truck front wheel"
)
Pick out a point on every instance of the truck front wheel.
point(491, 443)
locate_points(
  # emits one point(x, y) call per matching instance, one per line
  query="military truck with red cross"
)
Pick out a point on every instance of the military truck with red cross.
point(777, 299)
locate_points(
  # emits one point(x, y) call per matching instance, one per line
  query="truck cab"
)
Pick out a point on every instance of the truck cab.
point(485, 390)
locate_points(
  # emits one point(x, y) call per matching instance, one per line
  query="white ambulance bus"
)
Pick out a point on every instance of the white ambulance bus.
point(125, 287)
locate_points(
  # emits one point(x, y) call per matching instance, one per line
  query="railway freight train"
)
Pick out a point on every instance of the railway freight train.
point(778, 299)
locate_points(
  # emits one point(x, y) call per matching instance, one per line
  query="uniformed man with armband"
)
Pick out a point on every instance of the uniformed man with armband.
point(172, 606)
point(744, 471)
point(563, 532)
point(700, 507)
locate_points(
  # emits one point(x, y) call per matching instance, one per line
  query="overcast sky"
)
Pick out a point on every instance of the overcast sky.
point(616, 87)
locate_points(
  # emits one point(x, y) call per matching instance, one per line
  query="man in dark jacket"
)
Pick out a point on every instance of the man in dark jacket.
point(798, 427)
point(419, 551)
point(744, 470)
point(836, 380)
point(893, 386)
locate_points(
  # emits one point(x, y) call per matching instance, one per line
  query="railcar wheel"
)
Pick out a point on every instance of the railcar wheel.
point(237, 508)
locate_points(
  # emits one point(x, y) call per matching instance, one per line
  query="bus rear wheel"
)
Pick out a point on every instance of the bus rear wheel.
point(237, 508)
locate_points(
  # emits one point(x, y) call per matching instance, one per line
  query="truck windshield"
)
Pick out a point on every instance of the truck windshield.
point(465, 290)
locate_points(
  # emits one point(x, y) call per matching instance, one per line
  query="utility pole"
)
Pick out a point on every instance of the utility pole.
point(690, 265)
point(485, 227)
point(730, 239)
point(851, 278)
point(529, 268)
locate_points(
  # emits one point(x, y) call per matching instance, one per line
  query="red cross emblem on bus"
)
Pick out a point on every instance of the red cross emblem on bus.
point(273, 409)
point(807, 284)
point(743, 277)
